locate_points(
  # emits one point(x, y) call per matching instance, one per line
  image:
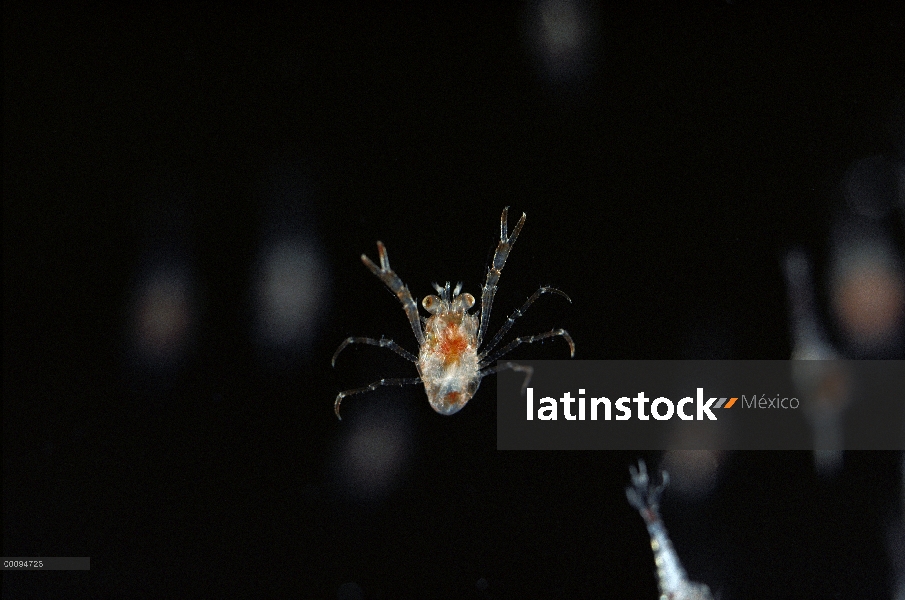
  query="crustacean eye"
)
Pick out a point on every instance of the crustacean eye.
point(431, 303)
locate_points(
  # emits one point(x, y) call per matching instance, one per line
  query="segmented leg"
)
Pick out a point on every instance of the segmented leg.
point(515, 315)
point(496, 267)
point(371, 388)
point(530, 339)
point(382, 342)
point(526, 369)
point(643, 495)
point(392, 281)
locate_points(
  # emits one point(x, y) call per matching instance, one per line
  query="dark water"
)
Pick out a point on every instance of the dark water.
point(186, 195)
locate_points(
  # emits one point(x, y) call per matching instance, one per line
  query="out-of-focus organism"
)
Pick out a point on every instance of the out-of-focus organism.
point(163, 315)
point(290, 278)
point(866, 299)
point(450, 361)
point(372, 455)
point(866, 275)
point(817, 372)
point(164, 307)
point(289, 289)
point(562, 35)
point(672, 580)
point(867, 294)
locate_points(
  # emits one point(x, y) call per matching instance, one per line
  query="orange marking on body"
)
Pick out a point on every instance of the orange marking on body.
point(452, 344)
point(450, 339)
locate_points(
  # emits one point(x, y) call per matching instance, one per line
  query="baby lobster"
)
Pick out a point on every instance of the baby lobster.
point(451, 361)
point(644, 496)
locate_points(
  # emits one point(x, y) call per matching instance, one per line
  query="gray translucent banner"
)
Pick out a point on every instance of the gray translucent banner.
point(703, 405)
point(44, 563)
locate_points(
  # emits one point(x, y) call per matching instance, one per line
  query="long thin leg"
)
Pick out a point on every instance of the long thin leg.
point(518, 313)
point(382, 342)
point(530, 339)
point(496, 267)
point(526, 369)
point(392, 281)
point(371, 388)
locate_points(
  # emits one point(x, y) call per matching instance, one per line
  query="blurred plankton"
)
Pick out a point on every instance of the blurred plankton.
point(451, 361)
point(644, 496)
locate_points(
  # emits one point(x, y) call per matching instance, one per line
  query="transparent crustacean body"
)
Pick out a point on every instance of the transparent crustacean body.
point(672, 580)
point(448, 358)
point(452, 359)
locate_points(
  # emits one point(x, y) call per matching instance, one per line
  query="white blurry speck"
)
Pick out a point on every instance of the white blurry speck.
point(289, 285)
point(289, 282)
point(374, 448)
point(562, 34)
point(562, 27)
point(163, 315)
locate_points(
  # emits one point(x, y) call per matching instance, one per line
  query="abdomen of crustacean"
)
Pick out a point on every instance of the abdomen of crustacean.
point(448, 362)
point(450, 394)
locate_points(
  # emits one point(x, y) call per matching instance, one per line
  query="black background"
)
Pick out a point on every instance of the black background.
point(662, 184)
